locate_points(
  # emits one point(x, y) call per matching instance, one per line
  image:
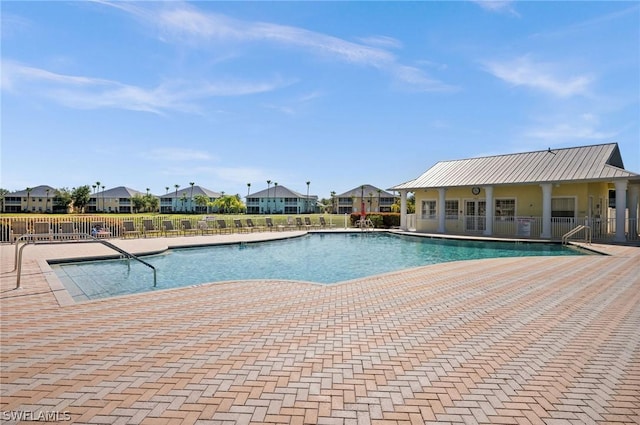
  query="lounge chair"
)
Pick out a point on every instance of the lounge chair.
point(222, 227)
point(98, 230)
point(169, 229)
point(148, 228)
point(239, 227)
point(309, 224)
point(18, 228)
point(129, 229)
point(67, 230)
point(272, 226)
point(253, 227)
point(204, 228)
point(42, 231)
point(290, 224)
point(323, 223)
point(187, 229)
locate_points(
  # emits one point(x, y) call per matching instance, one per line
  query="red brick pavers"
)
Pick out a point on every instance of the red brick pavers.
point(543, 340)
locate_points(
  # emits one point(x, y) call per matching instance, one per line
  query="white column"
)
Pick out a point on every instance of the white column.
point(547, 188)
point(488, 230)
point(403, 210)
point(621, 209)
point(634, 198)
point(441, 210)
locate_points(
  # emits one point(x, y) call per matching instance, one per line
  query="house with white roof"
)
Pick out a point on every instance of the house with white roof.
point(115, 200)
point(542, 194)
point(38, 199)
point(278, 199)
point(367, 198)
point(185, 200)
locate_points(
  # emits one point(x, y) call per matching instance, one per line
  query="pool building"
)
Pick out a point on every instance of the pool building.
point(532, 194)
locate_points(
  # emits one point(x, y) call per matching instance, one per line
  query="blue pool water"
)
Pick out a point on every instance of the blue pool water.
point(321, 258)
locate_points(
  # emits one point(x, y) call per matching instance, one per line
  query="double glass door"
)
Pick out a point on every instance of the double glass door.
point(475, 215)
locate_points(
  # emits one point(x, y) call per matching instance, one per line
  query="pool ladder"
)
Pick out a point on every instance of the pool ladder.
point(587, 234)
point(34, 238)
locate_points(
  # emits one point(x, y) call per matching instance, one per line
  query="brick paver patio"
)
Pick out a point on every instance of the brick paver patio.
point(541, 340)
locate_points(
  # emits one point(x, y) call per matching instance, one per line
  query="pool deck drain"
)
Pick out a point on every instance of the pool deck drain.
point(540, 340)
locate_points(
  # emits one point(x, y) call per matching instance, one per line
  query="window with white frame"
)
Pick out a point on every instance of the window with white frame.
point(505, 209)
point(563, 207)
point(451, 209)
point(428, 209)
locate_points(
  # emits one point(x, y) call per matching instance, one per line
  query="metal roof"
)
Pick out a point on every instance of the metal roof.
point(38, 191)
point(279, 192)
point(188, 191)
point(357, 192)
point(596, 162)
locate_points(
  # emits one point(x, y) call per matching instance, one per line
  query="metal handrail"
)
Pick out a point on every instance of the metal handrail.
point(59, 238)
point(579, 228)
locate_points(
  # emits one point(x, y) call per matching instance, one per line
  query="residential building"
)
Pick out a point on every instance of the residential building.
point(38, 199)
point(185, 200)
point(115, 200)
point(364, 197)
point(279, 199)
point(541, 194)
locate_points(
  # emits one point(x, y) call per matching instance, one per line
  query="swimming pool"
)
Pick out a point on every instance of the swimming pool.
point(321, 258)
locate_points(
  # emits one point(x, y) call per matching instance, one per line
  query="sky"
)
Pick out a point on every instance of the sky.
point(148, 95)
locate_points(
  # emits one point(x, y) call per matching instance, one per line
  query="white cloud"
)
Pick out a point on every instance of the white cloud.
point(381, 41)
point(94, 93)
point(178, 154)
point(568, 130)
point(542, 76)
point(181, 22)
point(498, 6)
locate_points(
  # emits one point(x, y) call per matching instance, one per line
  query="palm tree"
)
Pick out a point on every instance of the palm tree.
point(3, 193)
point(102, 197)
point(192, 205)
point(308, 183)
point(46, 206)
point(183, 199)
point(167, 189)
point(97, 203)
point(268, 187)
point(275, 195)
point(333, 196)
point(176, 186)
point(29, 189)
point(379, 190)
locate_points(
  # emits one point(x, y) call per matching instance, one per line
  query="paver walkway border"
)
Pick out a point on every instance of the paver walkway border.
point(540, 340)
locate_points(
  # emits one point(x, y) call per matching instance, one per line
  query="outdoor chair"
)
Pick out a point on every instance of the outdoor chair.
point(149, 228)
point(42, 231)
point(272, 226)
point(187, 229)
point(299, 223)
point(169, 229)
point(129, 229)
point(253, 227)
point(290, 224)
point(18, 228)
point(239, 227)
point(222, 227)
point(203, 227)
point(98, 230)
point(323, 223)
point(307, 222)
point(67, 230)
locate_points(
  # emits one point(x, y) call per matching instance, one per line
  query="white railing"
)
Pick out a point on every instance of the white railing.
point(527, 227)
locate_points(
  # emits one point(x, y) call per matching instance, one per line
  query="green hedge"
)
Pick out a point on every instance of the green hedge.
point(380, 220)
